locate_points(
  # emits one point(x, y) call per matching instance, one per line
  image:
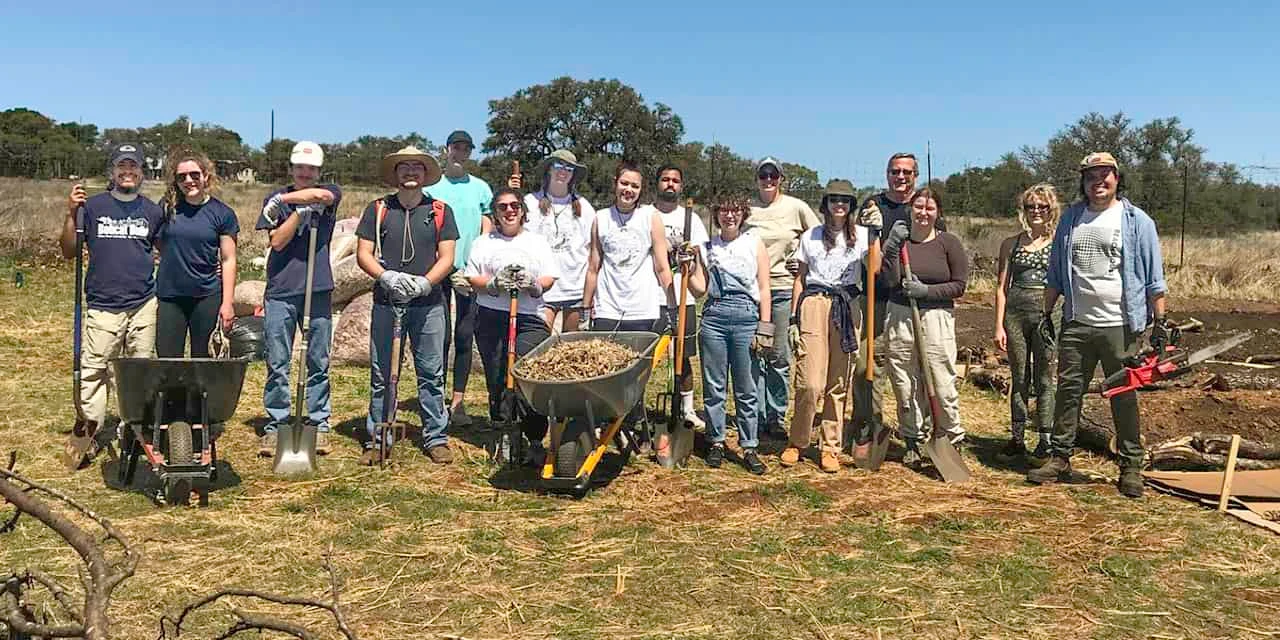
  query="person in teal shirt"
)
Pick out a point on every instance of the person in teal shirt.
point(468, 196)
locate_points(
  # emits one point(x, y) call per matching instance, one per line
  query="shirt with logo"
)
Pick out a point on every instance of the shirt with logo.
point(121, 236)
point(190, 248)
point(673, 225)
point(494, 251)
point(287, 268)
point(1097, 253)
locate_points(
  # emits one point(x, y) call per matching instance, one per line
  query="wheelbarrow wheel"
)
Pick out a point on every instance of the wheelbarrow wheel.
point(572, 451)
point(180, 445)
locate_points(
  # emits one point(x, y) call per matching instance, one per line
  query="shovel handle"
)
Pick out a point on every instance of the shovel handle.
point(873, 267)
point(511, 338)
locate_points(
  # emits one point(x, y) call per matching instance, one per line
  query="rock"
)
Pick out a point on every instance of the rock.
point(351, 332)
point(340, 247)
point(248, 296)
point(349, 281)
point(346, 226)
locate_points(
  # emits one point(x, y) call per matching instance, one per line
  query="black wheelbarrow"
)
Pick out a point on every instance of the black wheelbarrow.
point(172, 411)
point(575, 407)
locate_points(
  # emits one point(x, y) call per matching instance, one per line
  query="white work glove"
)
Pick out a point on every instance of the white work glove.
point(529, 284)
point(275, 210)
point(870, 216)
point(412, 286)
point(510, 277)
point(584, 320)
point(460, 284)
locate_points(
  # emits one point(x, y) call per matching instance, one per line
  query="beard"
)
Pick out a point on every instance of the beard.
point(126, 190)
point(668, 196)
point(455, 169)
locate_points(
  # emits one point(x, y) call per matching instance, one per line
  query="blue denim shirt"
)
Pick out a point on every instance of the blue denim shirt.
point(1142, 264)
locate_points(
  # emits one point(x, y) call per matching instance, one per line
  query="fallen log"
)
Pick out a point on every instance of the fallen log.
point(1263, 358)
point(1183, 457)
point(1218, 443)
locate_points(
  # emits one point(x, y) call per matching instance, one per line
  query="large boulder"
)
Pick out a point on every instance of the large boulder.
point(346, 226)
point(248, 297)
point(349, 281)
point(340, 247)
point(351, 332)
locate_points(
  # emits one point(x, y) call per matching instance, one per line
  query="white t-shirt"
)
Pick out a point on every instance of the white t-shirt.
point(627, 288)
point(673, 224)
point(842, 265)
point(1097, 245)
point(733, 265)
point(492, 252)
point(569, 239)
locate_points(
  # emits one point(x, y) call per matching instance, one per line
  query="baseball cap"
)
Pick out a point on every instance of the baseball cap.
point(459, 136)
point(127, 151)
point(308, 153)
point(1099, 159)
point(769, 160)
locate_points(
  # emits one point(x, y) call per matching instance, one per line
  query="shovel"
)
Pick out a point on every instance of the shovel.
point(80, 444)
point(391, 390)
point(941, 452)
point(508, 437)
point(296, 441)
point(880, 435)
point(678, 437)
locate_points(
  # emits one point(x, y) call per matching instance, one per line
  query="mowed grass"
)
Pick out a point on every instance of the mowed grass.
point(432, 552)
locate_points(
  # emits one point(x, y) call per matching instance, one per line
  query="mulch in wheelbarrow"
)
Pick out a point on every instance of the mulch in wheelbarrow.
point(577, 361)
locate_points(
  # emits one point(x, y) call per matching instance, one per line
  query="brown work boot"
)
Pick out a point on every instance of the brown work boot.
point(790, 456)
point(1130, 483)
point(267, 445)
point(371, 457)
point(440, 454)
point(322, 443)
point(1056, 468)
point(830, 462)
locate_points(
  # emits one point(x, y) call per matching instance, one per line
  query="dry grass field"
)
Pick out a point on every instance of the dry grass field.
point(463, 552)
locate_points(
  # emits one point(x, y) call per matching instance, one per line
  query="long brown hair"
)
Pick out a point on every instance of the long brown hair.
point(544, 195)
point(172, 190)
point(829, 234)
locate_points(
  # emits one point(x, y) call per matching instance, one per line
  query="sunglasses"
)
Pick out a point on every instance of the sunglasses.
point(839, 200)
point(1035, 207)
point(508, 206)
point(768, 175)
point(902, 172)
point(194, 175)
point(560, 166)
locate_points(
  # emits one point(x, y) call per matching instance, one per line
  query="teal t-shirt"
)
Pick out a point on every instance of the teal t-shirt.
point(469, 197)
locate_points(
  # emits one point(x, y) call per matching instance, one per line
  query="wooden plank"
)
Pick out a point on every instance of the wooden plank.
point(1228, 474)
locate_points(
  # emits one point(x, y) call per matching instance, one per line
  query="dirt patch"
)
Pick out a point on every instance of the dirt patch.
point(1174, 413)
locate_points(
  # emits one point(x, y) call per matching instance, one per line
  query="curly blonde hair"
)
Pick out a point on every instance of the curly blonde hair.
point(172, 190)
point(1045, 192)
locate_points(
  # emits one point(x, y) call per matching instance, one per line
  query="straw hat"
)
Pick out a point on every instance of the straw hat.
point(410, 153)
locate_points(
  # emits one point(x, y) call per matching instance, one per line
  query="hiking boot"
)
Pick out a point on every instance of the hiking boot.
point(829, 462)
point(1130, 483)
point(715, 455)
point(1013, 449)
point(790, 456)
point(323, 447)
point(267, 445)
point(751, 460)
point(911, 458)
point(1057, 467)
point(1041, 454)
point(440, 454)
point(371, 457)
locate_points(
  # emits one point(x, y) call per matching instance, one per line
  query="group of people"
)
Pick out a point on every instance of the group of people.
point(779, 285)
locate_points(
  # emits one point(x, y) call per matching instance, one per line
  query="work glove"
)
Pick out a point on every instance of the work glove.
point(460, 284)
point(898, 234)
point(1159, 337)
point(419, 286)
point(275, 210)
point(670, 317)
point(388, 280)
point(529, 284)
point(762, 341)
point(509, 277)
point(870, 216)
point(793, 337)
point(1048, 335)
point(584, 320)
point(914, 289)
point(685, 254)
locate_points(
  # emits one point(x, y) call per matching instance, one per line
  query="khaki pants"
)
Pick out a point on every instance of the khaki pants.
point(908, 378)
point(822, 376)
point(107, 335)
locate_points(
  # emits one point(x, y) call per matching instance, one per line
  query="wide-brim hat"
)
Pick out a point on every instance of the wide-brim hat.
point(838, 187)
point(566, 156)
point(410, 153)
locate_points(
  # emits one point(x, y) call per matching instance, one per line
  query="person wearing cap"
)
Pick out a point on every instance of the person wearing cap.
point(824, 307)
point(120, 230)
point(670, 184)
point(564, 218)
point(1106, 265)
point(288, 214)
point(406, 243)
point(779, 220)
point(469, 197)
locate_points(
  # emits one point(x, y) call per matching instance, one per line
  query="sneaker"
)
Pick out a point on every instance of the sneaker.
point(715, 455)
point(751, 460)
point(267, 445)
point(1130, 483)
point(323, 447)
point(696, 423)
point(1055, 468)
point(1013, 449)
point(830, 462)
point(371, 457)
point(440, 454)
point(458, 417)
point(790, 456)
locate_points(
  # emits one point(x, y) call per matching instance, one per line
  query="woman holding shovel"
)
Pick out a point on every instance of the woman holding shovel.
point(824, 307)
point(939, 271)
point(510, 269)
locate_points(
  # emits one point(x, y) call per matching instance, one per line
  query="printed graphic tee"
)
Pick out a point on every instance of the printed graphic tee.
point(1097, 245)
point(493, 252)
point(627, 288)
point(570, 241)
point(120, 235)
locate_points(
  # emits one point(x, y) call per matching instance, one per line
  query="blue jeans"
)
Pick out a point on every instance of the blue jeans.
point(424, 328)
point(279, 325)
point(728, 325)
point(773, 377)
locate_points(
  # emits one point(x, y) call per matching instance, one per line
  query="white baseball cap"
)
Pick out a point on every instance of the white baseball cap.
point(308, 153)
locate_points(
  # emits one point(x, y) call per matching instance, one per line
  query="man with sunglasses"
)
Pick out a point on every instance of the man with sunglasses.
point(1105, 262)
point(468, 196)
point(779, 220)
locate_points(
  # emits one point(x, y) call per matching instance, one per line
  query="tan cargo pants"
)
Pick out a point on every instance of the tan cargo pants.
point(908, 378)
point(822, 376)
point(107, 335)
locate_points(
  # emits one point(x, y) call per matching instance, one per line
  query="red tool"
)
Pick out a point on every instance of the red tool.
point(1152, 367)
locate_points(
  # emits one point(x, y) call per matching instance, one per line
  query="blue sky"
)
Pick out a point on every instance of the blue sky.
point(835, 86)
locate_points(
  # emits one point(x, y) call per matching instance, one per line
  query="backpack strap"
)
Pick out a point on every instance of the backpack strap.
point(379, 212)
point(437, 212)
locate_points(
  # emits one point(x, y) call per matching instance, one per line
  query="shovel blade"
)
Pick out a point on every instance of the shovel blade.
point(674, 445)
point(295, 450)
point(80, 445)
point(877, 452)
point(946, 459)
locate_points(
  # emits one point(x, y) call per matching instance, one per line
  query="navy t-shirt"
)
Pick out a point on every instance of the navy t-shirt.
point(287, 269)
point(120, 236)
point(190, 248)
point(416, 256)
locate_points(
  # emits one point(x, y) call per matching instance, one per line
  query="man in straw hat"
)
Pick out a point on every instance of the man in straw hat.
point(1105, 262)
point(406, 242)
point(288, 215)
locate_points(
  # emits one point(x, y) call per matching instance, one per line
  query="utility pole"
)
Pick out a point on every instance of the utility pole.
point(271, 147)
point(1182, 245)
